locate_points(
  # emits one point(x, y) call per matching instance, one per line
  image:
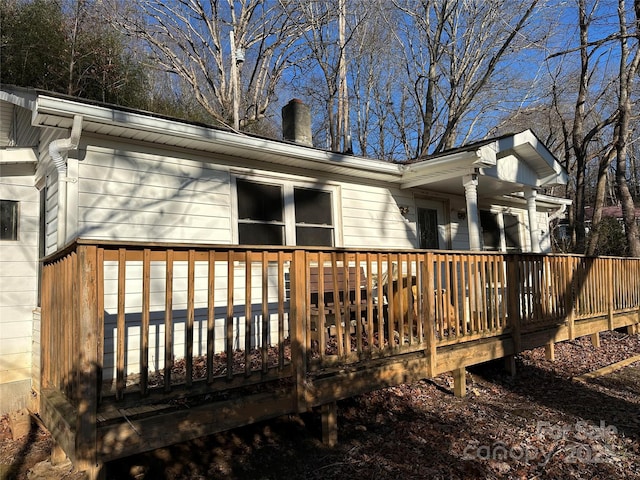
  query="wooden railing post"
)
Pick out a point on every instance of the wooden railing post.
point(570, 296)
point(298, 325)
point(514, 289)
point(610, 288)
point(45, 327)
point(88, 363)
point(429, 311)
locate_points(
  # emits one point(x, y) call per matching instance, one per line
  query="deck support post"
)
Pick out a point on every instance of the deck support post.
point(595, 339)
point(329, 414)
point(550, 351)
point(460, 382)
point(88, 364)
point(510, 364)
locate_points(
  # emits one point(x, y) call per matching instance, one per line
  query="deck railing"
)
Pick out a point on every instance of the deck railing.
point(156, 318)
point(144, 330)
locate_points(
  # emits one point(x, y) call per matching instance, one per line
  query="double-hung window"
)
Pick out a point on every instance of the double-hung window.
point(284, 214)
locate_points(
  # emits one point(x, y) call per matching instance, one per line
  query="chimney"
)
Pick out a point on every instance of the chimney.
point(296, 123)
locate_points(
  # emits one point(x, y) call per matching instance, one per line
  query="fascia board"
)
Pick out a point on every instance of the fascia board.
point(529, 139)
point(541, 199)
point(243, 144)
point(448, 166)
point(12, 155)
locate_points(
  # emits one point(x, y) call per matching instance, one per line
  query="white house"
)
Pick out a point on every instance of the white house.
point(73, 168)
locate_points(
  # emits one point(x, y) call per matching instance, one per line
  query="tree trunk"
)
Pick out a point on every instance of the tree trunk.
point(601, 192)
point(628, 71)
point(578, 136)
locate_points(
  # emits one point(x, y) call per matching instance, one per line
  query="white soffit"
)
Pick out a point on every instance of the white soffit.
point(526, 147)
point(55, 112)
point(449, 166)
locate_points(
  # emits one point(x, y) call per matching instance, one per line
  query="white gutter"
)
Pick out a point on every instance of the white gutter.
point(448, 166)
point(248, 147)
point(56, 149)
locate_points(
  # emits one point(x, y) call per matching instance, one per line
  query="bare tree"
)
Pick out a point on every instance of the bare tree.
point(327, 28)
point(192, 40)
point(592, 114)
point(629, 64)
point(453, 50)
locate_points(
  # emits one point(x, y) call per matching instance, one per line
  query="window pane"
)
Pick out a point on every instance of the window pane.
point(490, 230)
point(314, 236)
point(428, 226)
point(260, 234)
point(257, 201)
point(512, 232)
point(312, 206)
point(8, 220)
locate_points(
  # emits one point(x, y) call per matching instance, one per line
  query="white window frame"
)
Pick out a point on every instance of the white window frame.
point(16, 220)
point(499, 212)
point(441, 207)
point(288, 185)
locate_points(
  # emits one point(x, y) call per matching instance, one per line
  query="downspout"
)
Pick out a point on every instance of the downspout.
point(559, 213)
point(57, 149)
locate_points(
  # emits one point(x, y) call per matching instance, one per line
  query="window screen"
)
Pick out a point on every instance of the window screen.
point(512, 232)
point(260, 213)
point(314, 219)
point(8, 220)
point(490, 230)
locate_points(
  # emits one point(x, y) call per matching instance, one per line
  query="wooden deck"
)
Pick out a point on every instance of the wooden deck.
point(147, 345)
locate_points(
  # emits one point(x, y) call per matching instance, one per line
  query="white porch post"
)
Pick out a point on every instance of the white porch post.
point(530, 195)
point(470, 183)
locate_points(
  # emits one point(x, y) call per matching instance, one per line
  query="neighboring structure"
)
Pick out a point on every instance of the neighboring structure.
point(71, 168)
point(612, 211)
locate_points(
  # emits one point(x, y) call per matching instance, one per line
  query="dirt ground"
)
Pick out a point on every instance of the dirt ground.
point(540, 424)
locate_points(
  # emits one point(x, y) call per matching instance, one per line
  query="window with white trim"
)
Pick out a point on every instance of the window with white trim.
point(260, 213)
point(500, 231)
point(284, 214)
point(8, 220)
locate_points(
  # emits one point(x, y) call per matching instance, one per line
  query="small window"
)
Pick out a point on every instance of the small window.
point(8, 220)
point(490, 230)
point(260, 217)
point(314, 222)
point(512, 232)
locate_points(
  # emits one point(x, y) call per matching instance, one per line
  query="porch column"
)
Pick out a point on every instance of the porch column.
point(530, 195)
point(470, 183)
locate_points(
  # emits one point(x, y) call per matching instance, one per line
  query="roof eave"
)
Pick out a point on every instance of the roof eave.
point(208, 139)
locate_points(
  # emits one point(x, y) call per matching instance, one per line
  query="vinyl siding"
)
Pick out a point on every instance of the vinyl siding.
point(371, 217)
point(18, 281)
point(140, 197)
